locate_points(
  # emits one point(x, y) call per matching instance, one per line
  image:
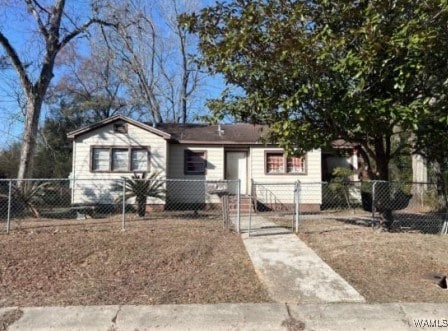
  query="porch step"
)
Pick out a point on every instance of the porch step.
point(245, 204)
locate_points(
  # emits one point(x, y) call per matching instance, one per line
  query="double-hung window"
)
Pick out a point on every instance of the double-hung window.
point(119, 159)
point(278, 163)
point(100, 159)
point(275, 163)
point(195, 162)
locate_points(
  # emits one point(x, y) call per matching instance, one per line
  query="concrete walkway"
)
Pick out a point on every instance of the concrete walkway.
point(293, 272)
point(275, 316)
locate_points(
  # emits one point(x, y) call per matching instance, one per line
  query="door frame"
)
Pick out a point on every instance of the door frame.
point(246, 153)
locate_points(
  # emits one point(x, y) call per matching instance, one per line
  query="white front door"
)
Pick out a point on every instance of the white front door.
point(236, 168)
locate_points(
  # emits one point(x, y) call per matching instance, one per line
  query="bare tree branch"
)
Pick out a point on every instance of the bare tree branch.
point(18, 65)
point(65, 40)
point(31, 7)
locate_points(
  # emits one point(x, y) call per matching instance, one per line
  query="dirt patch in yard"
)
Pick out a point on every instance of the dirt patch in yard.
point(152, 262)
point(382, 266)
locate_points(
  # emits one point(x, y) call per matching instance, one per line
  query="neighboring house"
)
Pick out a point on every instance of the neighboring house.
point(342, 154)
point(119, 146)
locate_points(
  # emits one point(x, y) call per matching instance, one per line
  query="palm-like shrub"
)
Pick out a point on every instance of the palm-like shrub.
point(140, 188)
point(27, 196)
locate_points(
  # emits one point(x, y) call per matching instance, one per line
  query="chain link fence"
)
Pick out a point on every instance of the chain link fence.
point(268, 208)
point(37, 203)
point(419, 207)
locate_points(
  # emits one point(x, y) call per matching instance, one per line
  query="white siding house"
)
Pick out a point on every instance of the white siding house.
point(102, 143)
point(186, 155)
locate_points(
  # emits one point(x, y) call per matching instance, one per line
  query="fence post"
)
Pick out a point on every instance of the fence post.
point(297, 198)
point(123, 212)
point(238, 206)
point(252, 187)
point(8, 220)
point(373, 203)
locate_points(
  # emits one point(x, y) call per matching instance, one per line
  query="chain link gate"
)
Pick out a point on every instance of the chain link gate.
point(274, 208)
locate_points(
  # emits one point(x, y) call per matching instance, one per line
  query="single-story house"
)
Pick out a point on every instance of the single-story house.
point(186, 155)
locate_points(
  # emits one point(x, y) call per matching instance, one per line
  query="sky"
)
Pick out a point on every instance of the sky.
point(18, 26)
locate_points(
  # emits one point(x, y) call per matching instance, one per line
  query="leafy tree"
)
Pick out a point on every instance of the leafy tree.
point(140, 188)
point(53, 157)
point(9, 161)
point(364, 71)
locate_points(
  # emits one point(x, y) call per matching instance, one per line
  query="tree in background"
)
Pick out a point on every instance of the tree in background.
point(141, 66)
point(154, 53)
point(316, 71)
point(90, 85)
point(54, 27)
point(54, 150)
point(9, 161)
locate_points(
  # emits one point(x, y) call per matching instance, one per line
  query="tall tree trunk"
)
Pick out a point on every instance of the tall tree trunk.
point(382, 166)
point(383, 198)
point(382, 158)
point(185, 74)
point(33, 109)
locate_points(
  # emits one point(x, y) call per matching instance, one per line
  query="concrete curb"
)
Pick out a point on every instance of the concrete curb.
point(267, 316)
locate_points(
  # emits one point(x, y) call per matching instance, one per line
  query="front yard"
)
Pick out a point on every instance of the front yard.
point(382, 266)
point(152, 262)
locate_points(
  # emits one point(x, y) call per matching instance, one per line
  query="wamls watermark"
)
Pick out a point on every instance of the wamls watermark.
point(431, 323)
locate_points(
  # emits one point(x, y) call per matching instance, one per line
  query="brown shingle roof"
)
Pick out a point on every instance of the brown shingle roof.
point(240, 133)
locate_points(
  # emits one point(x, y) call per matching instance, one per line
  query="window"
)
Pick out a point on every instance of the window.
point(278, 163)
point(295, 165)
point(195, 163)
point(139, 160)
point(274, 163)
point(119, 159)
point(100, 159)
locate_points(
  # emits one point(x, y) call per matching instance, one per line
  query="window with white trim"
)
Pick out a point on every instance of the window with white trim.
point(119, 159)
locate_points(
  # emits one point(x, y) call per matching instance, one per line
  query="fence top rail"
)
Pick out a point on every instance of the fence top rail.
point(2, 180)
point(275, 184)
point(119, 179)
point(34, 179)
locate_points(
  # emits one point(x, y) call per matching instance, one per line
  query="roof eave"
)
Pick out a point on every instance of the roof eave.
point(74, 134)
point(223, 142)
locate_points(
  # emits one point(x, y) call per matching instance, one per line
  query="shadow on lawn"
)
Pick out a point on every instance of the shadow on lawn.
point(429, 223)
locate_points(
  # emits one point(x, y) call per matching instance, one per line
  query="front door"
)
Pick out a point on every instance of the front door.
point(236, 168)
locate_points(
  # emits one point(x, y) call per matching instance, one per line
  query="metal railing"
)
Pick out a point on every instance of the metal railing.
point(274, 208)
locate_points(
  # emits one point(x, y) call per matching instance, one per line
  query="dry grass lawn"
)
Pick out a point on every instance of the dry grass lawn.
point(153, 262)
point(382, 266)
